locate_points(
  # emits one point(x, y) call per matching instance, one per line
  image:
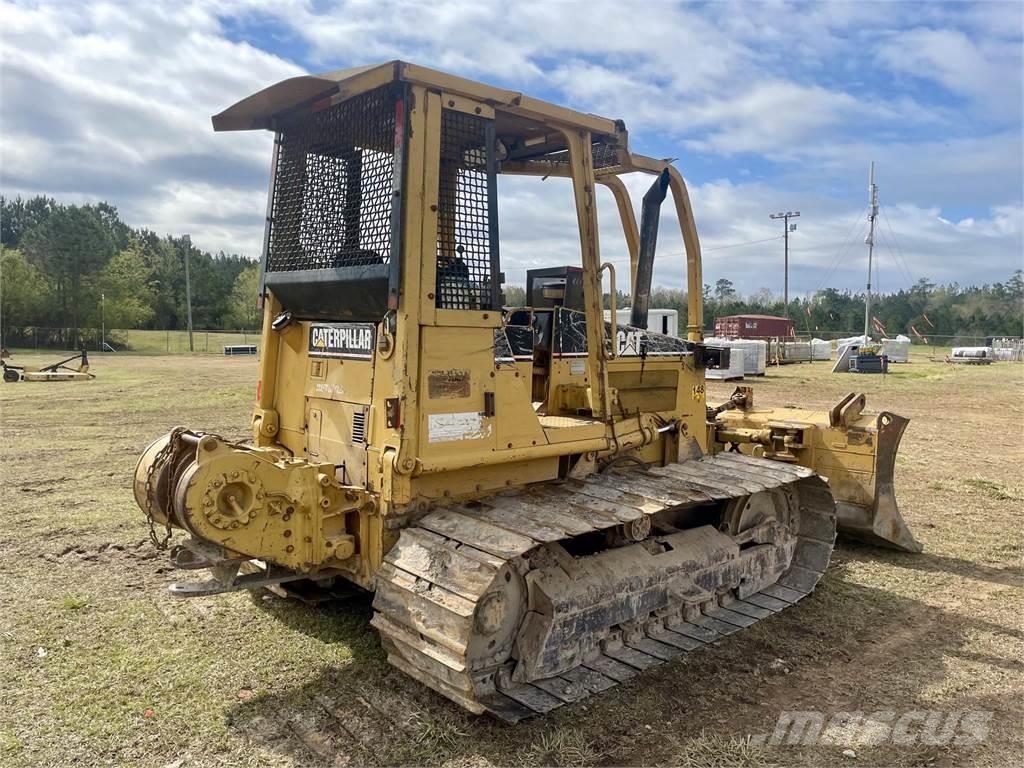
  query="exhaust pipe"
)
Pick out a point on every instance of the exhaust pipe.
point(650, 213)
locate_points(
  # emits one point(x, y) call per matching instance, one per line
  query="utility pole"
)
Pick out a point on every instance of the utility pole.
point(103, 322)
point(188, 290)
point(870, 240)
point(786, 229)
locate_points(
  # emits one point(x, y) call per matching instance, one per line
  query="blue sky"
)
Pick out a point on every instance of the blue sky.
point(767, 106)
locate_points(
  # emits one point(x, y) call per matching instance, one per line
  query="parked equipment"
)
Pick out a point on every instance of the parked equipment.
point(869, 363)
point(58, 371)
point(542, 501)
point(860, 355)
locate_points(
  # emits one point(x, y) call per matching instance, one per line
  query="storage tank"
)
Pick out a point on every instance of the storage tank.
point(897, 350)
point(753, 327)
point(973, 353)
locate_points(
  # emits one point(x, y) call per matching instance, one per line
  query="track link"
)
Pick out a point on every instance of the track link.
point(442, 604)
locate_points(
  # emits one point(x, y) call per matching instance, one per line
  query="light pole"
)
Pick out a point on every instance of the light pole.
point(786, 229)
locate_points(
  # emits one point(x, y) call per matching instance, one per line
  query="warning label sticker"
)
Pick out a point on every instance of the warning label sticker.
point(448, 427)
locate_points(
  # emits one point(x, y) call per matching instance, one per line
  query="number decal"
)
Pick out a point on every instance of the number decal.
point(698, 392)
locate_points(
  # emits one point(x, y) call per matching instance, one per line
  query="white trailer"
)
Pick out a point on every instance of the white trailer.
point(665, 321)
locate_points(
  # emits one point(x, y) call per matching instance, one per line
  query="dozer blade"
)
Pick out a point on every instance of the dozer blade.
point(855, 452)
point(867, 510)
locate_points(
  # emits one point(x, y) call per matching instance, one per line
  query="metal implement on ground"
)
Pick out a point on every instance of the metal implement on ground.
point(59, 371)
point(542, 501)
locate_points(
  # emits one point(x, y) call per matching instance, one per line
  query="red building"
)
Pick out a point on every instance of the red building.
point(753, 327)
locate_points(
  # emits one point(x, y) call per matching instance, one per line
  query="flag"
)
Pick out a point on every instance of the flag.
point(918, 334)
point(930, 323)
point(878, 325)
point(807, 309)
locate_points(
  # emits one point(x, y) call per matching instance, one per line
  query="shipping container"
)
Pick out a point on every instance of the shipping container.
point(754, 327)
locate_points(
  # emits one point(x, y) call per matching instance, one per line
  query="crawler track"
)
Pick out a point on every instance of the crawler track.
point(461, 595)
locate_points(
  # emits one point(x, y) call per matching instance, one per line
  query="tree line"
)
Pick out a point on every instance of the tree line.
point(925, 309)
point(73, 268)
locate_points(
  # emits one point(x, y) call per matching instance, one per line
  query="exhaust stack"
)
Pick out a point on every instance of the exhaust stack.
point(650, 213)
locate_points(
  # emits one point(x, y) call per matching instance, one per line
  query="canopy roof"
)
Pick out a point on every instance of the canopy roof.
point(260, 110)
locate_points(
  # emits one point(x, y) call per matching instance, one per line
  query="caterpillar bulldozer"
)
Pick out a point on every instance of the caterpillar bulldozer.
point(542, 502)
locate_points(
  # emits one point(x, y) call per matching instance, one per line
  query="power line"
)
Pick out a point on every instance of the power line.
point(733, 245)
point(834, 263)
point(902, 259)
point(721, 247)
point(900, 269)
point(843, 248)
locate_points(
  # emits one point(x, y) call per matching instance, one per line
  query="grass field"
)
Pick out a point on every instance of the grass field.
point(134, 341)
point(176, 342)
point(102, 666)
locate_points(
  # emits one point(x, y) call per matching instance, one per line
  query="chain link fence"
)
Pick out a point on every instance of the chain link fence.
point(129, 340)
point(933, 340)
point(214, 341)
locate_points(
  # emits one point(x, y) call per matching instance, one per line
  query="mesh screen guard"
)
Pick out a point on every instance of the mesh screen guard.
point(467, 219)
point(334, 187)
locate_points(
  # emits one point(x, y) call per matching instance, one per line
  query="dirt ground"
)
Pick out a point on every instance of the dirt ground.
point(102, 666)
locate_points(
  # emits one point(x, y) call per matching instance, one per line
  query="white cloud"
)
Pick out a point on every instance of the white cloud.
point(976, 69)
point(828, 247)
point(112, 101)
point(769, 115)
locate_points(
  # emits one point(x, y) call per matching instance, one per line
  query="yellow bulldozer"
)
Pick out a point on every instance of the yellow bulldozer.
point(541, 501)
